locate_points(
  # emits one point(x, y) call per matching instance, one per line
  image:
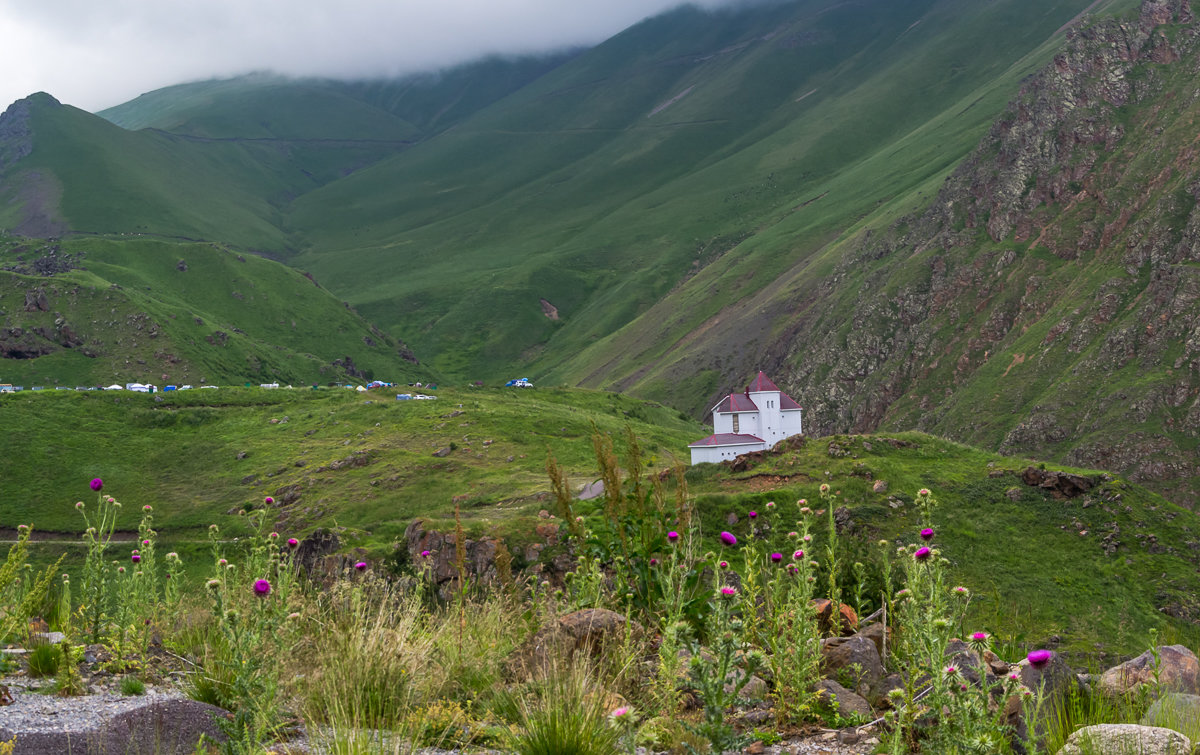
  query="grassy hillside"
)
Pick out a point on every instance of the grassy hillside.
point(1097, 571)
point(201, 455)
point(1038, 565)
point(691, 141)
point(92, 311)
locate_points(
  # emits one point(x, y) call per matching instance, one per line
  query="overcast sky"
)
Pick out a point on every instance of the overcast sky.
point(98, 53)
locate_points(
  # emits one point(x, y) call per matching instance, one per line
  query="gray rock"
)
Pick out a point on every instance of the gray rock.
point(97, 725)
point(1178, 671)
point(847, 701)
point(1176, 711)
point(1118, 739)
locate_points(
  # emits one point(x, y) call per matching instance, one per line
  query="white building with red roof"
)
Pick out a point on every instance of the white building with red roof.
point(751, 421)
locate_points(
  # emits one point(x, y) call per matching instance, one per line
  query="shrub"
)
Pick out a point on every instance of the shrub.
point(131, 685)
point(568, 716)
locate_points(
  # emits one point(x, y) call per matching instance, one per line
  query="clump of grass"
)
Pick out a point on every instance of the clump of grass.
point(566, 715)
point(44, 660)
point(131, 685)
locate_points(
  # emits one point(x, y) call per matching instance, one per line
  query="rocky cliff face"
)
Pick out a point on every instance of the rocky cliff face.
point(1048, 300)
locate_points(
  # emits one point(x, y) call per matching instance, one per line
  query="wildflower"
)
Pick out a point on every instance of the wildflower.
point(798, 555)
point(262, 588)
point(941, 623)
point(137, 574)
point(728, 592)
point(960, 590)
point(902, 593)
point(723, 565)
point(824, 487)
point(1014, 677)
point(1039, 658)
point(776, 557)
point(424, 554)
point(793, 569)
point(752, 514)
point(805, 510)
point(672, 536)
point(361, 566)
point(807, 538)
point(147, 508)
point(922, 553)
point(950, 670)
point(221, 562)
point(793, 535)
point(135, 558)
point(212, 528)
point(620, 713)
point(927, 534)
point(924, 493)
point(145, 542)
point(293, 542)
point(883, 543)
point(268, 500)
point(654, 562)
point(770, 504)
point(293, 616)
point(213, 584)
point(120, 570)
point(79, 505)
point(66, 578)
point(91, 531)
point(22, 527)
point(274, 535)
point(96, 484)
point(979, 637)
point(728, 538)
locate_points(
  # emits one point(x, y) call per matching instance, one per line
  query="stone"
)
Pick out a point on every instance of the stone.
point(171, 726)
point(442, 453)
point(880, 486)
point(852, 659)
point(848, 702)
point(586, 631)
point(1122, 738)
point(1177, 711)
point(824, 609)
point(875, 633)
point(1179, 671)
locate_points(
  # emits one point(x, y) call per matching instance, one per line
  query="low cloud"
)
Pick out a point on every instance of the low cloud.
point(98, 54)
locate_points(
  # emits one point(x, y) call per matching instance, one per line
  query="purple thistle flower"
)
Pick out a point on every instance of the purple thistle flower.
point(135, 558)
point(798, 555)
point(672, 536)
point(728, 538)
point(728, 592)
point(1039, 658)
point(723, 565)
point(752, 514)
point(97, 484)
point(927, 534)
point(424, 554)
point(262, 588)
point(979, 636)
point(776, 557)
point(922, 553)
point(268, 500)
point(361, 566)
point(654, 562)
point(293, 542)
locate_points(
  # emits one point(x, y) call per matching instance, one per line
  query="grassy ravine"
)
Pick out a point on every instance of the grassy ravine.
point(1033, 574)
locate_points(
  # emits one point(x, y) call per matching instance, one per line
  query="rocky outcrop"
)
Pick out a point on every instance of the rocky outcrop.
point(1063, 484)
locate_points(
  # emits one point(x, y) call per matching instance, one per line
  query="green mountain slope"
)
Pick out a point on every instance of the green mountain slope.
point(609, 182)
point(94, 311)
point(1045, 301)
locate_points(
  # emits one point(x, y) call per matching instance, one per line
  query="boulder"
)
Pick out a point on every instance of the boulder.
point(854, 660)
point(848, 623)
point(847, 702)
point(875, 633)
point(108, 725)
point(1122, 738)
point(1176, 711)
point(1178, 671)
point(586, 631)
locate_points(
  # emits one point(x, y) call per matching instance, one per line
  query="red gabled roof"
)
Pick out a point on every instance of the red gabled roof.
point(761, 383)
point(787, 403)
point(727, 439)
point(735, 402)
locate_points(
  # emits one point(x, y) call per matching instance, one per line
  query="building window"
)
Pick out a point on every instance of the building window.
point(735, 424)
